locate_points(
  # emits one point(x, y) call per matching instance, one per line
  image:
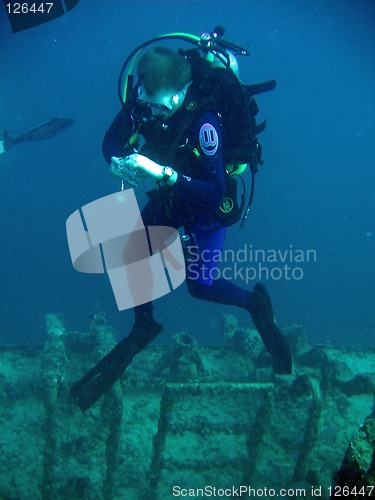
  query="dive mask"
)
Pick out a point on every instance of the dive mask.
point(163, 103)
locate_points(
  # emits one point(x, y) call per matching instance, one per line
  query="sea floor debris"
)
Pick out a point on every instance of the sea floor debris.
point(185, 415)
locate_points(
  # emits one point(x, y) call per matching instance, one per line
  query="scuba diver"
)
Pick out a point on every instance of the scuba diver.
point(42, 131)
point(171, 115)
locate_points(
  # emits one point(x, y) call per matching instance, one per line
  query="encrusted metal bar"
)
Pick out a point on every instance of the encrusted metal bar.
point(111, 407)
point(255, 434)
point(311, 430)
point(53, 375)
point(159, 439)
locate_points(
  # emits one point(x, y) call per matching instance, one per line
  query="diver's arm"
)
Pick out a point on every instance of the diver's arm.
point(205, 190)
point(117, 135)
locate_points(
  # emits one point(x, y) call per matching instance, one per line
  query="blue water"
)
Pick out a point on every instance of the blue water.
point(316, 190)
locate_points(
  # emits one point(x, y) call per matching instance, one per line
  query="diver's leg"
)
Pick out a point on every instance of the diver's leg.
point(258, 303)
point(260, 309)
point(145, 329)
point(110, 368)
point(222, 291)
point(145, 324)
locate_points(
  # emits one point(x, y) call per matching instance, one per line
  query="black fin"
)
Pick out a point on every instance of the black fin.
point(102, 376)
point(110, 368)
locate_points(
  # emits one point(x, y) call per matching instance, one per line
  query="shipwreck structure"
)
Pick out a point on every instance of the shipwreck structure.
point(185, 416)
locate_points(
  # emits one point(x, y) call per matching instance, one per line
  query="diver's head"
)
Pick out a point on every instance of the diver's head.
point(164, 77)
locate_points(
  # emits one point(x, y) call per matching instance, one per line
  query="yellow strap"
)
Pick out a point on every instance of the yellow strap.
point(235, 169)
point(133, 139)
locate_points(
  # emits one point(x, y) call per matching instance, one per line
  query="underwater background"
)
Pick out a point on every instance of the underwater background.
point(316, 190)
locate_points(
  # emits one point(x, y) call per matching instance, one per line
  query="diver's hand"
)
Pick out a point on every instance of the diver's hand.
point(164, 175)
point(119, 168)
point(140, 162)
